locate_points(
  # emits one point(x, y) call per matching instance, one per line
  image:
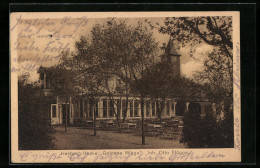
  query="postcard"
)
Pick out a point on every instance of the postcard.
point(125, 87)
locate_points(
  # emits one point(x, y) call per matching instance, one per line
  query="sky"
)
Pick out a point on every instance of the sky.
point(37, 40)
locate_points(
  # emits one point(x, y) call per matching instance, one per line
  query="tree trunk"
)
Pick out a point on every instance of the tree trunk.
point(159, 112)
point(142, 113)
point(117, 120)
point(126, 108)
point(118, 104)
point(126, 103)
point(94, 116)
point(114, 111)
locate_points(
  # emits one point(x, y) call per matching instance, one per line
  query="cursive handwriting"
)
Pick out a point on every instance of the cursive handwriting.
point(142, 156)
point(188, 156)
point(34, 156)
point(110, 158)
point(50, 24)
point(236, 74)
point(237, 144)
point(42, 41)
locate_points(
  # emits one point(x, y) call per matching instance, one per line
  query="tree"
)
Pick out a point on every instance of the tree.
point(64, 81)
point(198, 131)
point(81, 78)
point(118, 45)
point(215, 31)
point(34, 133)
point(217, 75)
point(220, 89)
point(119, 50)
point(94, 60)
point(159, 76)
point(145, 58)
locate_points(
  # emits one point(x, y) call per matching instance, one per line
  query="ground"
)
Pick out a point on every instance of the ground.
point(78, 138)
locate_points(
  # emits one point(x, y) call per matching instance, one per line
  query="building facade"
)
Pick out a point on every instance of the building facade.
point(105, 108)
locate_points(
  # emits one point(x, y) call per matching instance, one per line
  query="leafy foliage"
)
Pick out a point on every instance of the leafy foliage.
point(198, 131)
point(120, 50)
point(215, 31)
point(206, 132)
point(116, 50)
point(216, 78)
point(35, 133)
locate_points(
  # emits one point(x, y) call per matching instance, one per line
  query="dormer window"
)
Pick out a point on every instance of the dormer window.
point(118, 84)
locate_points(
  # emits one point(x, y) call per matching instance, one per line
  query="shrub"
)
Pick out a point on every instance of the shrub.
point(206, 132)
point(33, 131)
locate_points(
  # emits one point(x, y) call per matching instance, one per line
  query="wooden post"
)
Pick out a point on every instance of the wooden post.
point(187, 106)
point(121, 110)
point(100, 109)
point(66, 115)
point(94, 116)
point(142, 113)
point(44, 80)
point(174, 108)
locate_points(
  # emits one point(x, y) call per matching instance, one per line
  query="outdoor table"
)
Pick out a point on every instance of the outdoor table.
point(131, 125)
point(110, 123)
point(128, 125)
point(89, 122)
point(157, 126)
point(154, 126)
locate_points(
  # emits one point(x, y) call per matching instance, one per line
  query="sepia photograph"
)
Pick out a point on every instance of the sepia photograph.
point(100, 87)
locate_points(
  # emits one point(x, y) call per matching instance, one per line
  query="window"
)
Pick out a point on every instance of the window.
point(136, 108)
point(118, 107)
point(147, 108)
point(86, 108)
point(118, 84)
point(163, 108)
point(54, 111)
point(76, 108)
point(168, 108)
point(111, 112)
point(89, 109)
point(131, 109)
point(41, 76)
point(104, 108)
point(153, 108)
point(208, 108)
point(124, 107)
point(48, 82)
point(96, 108)
point(81, 108)
point(172, 106)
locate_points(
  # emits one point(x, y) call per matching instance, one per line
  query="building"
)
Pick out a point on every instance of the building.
point(79, 108)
